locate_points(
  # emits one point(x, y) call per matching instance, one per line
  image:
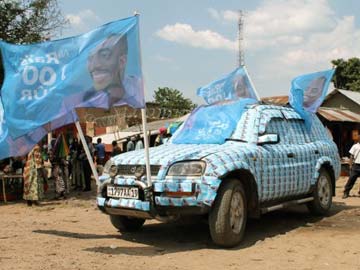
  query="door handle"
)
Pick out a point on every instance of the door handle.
point(316, 151)
point(290, 155)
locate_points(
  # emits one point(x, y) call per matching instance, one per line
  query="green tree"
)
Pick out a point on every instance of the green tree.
point(173, 103)
point(28, 21)
point(347, 74)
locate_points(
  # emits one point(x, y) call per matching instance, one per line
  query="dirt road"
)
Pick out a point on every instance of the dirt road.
point(73, 234)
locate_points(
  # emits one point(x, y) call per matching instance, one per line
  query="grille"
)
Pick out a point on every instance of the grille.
point(130, 169)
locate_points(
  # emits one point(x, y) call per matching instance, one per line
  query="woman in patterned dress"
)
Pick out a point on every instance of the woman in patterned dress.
point(59, 176)
point(33, 177)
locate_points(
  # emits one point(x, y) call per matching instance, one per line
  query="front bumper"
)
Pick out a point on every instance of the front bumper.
point(166, 197)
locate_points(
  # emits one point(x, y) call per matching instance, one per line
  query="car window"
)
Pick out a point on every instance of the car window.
point(318, 131)
point(246, 128)
point(276, 126)
point(290, 114)
point(296, 131)
point(290, 131)
point(266, 116)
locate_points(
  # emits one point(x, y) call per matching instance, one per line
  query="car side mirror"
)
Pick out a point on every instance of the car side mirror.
point(268, 138)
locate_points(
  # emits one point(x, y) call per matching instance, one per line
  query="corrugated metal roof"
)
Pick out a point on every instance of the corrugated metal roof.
point(338, 115)
point(278, 100)
point(354, 96)
point(155, 125)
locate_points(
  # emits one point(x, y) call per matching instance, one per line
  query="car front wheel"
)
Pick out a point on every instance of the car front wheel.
point(322, 195)
point(126, 224)
point(227, 219)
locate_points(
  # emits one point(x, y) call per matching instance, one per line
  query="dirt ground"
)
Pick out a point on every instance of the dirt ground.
point(73, 234)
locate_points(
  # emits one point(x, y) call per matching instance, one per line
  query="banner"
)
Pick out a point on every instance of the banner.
point(232, 86)
point(212, 124)
point(308, 92)
point(22, 145)
point(45, 81)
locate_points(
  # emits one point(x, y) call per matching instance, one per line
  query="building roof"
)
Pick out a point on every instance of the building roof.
point(278, 100)
point(155, 125)
point(354, 96)
point(338, 115)
point(115, 136)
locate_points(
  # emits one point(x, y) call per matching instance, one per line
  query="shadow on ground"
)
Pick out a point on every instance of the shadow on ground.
point(165, 238)
point(76, 235)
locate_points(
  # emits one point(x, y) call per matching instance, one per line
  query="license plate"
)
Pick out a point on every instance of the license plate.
point(123, 192)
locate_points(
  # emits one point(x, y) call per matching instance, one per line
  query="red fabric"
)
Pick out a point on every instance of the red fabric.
point(162, 130)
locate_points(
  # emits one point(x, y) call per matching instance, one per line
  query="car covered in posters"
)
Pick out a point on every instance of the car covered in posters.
point(267, 161)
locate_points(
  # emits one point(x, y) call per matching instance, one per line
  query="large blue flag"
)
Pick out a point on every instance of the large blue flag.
point(212, 124)
point(20, 146)
point(46, 81)
point(308, 92)
point(232, 86)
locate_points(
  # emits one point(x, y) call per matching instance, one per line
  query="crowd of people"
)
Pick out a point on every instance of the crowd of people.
point(69, 169)
point(65, 164)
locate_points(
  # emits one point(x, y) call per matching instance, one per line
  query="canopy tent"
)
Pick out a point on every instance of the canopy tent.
point(116, 136)
point(153, 128)
point(155, 125)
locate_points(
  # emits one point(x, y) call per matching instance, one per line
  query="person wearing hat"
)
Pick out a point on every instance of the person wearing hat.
point(161, 136)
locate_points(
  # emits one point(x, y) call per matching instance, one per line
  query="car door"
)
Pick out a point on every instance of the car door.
point(286, 165)
point(305, 153)
point(275, 162)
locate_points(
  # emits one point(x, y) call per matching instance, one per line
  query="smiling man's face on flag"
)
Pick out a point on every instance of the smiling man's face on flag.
point(241, 87)
point(45, 82)
point(314, 91)
point(107, 62)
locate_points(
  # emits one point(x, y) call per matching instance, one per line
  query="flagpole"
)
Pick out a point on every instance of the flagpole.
point(251, 83)
point(145, 135)
point(87, 152)
point(146, 142)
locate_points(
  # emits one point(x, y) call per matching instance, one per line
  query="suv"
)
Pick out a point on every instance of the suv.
point(270, 161)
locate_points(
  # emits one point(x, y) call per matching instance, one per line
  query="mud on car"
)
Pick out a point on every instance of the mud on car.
point(270, 161)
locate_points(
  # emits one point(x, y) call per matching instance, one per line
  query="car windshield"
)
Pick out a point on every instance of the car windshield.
point(212, 124)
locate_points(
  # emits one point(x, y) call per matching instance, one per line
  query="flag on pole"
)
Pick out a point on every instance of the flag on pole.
point(45, 81)
point(22, 145)
point(61, 149)
point(232, 86)
point(212, 124)
point(308, 92)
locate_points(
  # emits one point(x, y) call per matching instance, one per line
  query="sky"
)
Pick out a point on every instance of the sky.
point(187, 44)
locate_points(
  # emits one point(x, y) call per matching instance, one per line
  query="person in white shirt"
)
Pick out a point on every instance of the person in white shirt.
point(355, 168)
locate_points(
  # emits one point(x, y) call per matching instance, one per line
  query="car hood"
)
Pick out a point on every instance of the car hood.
point(168, 153)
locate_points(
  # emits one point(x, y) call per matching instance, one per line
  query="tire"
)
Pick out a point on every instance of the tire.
point(227, 219)
point(126, 224)
point(323, 194)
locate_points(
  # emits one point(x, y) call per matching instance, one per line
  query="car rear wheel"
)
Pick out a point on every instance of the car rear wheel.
point(126, 224)
point(227, 219)
point(322, 195)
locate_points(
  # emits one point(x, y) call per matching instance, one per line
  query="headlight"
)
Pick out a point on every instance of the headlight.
point(108, 165)
point(188, 168)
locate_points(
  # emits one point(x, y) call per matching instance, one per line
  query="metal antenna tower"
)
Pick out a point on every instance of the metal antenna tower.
point(241, 60)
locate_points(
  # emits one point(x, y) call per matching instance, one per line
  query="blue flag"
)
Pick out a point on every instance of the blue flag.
point(230, 87)
point(20, 146)
point(45, 81)
point(212, 124)
point(308, 92)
